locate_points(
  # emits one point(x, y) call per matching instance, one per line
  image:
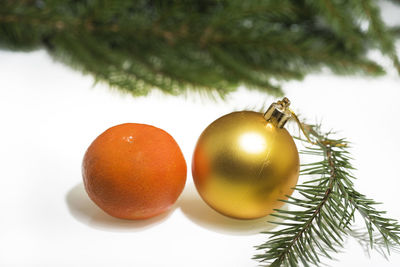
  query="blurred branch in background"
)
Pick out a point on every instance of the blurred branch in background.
point(212, 46)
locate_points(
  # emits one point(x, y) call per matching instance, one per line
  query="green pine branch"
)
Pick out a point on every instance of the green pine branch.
point(325, 212)
point(379, 31)
point(209, 46)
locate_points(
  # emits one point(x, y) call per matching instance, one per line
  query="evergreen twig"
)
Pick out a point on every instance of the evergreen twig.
point(210, 46)
point(325, 212)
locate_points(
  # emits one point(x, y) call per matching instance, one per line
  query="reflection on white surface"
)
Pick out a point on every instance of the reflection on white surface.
point(194, 208)
point(252, 143)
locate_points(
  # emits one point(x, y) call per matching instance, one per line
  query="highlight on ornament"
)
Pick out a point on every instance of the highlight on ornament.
point(245, 162)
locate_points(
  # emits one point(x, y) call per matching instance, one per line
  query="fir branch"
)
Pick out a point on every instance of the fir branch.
point(378, 29)
point(340, 19)
point(210, 46)
point(362, 237)
point(324, 215)
point(388, 229)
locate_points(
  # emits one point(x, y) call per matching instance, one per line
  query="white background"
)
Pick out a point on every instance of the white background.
point(50, 114)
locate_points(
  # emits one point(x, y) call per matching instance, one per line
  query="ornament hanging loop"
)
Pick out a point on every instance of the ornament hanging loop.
point(279, 113)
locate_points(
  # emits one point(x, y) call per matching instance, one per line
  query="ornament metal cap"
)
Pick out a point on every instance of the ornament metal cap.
point(278, 113)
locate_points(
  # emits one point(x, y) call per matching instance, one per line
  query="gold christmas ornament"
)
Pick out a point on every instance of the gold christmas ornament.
point(245, 161)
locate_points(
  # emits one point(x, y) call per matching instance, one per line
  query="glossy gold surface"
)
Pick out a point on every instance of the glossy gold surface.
point(243, 164)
